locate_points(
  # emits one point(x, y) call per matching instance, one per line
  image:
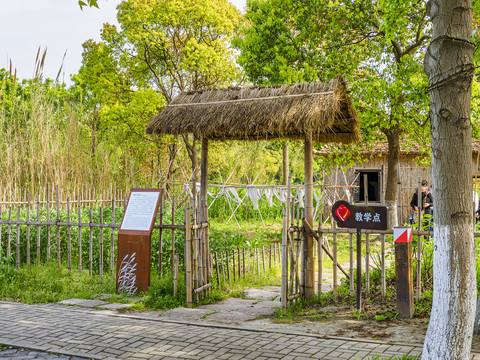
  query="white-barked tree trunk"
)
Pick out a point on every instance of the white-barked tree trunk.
point(449, 67)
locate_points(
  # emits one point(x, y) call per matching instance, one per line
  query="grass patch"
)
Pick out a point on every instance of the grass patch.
point(47, 284)
point(304, 309)
point(210, 313)
point(272, 277)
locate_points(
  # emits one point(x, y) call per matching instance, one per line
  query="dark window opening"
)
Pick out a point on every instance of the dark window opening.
point(373, 185)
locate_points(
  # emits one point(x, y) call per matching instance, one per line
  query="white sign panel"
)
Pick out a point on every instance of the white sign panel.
point(140, 211)
point(402, 234)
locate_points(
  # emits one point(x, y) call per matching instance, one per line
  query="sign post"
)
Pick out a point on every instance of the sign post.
point(359, 217)
point(404, 271)
point(359, 269)
point(134, 240)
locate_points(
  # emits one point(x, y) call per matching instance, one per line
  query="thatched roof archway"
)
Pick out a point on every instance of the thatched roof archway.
point(320, 112)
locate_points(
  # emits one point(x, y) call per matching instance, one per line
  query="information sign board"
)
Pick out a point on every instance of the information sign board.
point(140, 212)
point(360, 217)
point(134, 240)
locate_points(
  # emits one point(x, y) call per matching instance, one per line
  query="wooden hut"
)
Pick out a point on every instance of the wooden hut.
point(315, 112)
point(414, 164)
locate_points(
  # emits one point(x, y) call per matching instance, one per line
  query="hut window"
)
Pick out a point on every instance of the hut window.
point(373, 185)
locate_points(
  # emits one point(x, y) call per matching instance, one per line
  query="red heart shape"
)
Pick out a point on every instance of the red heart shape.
point(342, 212)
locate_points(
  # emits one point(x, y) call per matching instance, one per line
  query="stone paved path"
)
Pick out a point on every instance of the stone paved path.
point(104, 334)
point(26, 354)
point(58, 332)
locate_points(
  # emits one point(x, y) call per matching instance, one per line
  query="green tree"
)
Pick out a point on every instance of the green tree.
point(376, 46)
point(174, 47)
point(113, 108)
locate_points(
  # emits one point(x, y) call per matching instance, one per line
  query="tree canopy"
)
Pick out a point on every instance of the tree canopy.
point(376, 46)
point(175, 46)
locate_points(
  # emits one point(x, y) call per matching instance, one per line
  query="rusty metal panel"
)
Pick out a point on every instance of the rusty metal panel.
point(133, 263)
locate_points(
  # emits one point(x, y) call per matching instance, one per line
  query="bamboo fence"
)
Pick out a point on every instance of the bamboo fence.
point(237, 264)
point(34, 232)
point(43, 236)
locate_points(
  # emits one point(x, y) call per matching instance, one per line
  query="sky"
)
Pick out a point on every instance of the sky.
point(55, 25)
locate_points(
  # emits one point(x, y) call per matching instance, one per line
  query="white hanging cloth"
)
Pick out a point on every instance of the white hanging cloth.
point(281, 195)
point(232, 194)
point(254, 195)
point(216, 196)
point(349, 194)
point(188, 187)
point(300, 196)
point(268, 192)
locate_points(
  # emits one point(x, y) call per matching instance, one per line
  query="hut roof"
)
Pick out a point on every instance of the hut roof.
point(260, 113)
point(377, 149)
point(381, 149)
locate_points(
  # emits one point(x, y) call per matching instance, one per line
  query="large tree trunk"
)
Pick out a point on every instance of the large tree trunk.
point(393, 137)
point(172, 153)
point(449, 67)
point(192, 154)
point(476, 325)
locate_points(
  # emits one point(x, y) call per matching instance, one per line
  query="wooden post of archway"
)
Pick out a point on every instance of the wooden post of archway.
point(308, 263)
point(204, 211)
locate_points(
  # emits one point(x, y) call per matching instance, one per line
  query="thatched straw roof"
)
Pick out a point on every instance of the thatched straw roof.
point(381, 149)
point(377, 149)
point(260, 113)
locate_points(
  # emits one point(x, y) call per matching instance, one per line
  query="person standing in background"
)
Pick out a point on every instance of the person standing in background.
point(426, 203)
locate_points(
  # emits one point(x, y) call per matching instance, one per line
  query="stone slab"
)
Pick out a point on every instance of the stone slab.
point(260, 294)
point(269, 304)
point(256, 311)
point(228, 305)
point(230, 318)
point(277, 289)
point(115, 306)
point(186, 314)
point(83, 302)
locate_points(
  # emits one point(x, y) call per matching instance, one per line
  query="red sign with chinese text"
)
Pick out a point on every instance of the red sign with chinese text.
point(360, 217)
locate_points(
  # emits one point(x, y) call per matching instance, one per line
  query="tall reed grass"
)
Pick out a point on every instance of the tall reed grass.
point(46, 137)
point(50, 135)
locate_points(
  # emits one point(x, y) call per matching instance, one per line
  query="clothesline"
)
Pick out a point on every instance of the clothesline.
point(243, 186)
point(258, 193)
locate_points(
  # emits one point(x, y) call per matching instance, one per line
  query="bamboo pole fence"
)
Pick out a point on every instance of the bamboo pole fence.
point(92, 232)
point(95, 247)
point(235, 265)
